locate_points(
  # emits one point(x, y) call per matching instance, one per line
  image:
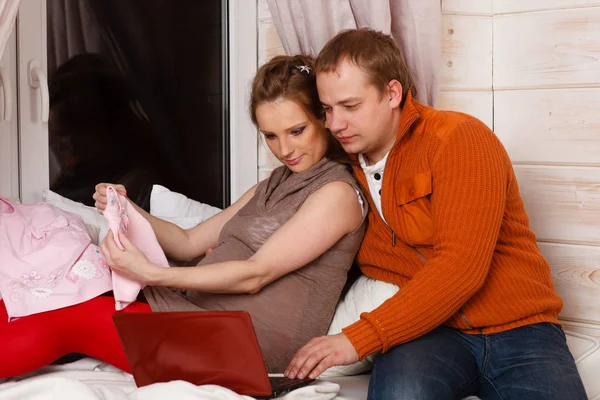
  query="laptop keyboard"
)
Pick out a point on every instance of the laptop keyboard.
point(283, 385)
point(282, 381)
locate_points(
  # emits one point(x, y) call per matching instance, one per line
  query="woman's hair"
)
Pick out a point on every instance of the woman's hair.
point(293, 78)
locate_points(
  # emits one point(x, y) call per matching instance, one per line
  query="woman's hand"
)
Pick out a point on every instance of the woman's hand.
point(100, 194)
point(130, 261)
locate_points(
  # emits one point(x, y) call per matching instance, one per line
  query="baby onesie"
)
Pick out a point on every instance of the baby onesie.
point(122, 216)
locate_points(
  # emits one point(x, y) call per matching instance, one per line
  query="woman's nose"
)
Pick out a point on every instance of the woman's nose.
point(285, 148)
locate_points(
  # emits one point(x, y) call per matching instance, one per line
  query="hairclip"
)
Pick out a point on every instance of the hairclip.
point(304, 68)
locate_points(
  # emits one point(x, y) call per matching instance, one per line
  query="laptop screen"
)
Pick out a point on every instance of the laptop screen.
point(217, 348)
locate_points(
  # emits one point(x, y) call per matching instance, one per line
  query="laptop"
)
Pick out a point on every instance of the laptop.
point(203, 348)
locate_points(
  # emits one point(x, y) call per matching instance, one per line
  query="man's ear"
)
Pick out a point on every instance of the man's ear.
point(394, 91)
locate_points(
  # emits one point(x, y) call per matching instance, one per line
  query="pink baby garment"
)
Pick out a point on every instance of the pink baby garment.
point(122, 216)
point(46, 259)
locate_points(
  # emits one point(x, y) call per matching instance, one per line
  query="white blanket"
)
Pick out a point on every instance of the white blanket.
point(89, 379)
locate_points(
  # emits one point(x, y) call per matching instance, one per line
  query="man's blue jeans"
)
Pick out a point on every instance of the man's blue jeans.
point(528, 363)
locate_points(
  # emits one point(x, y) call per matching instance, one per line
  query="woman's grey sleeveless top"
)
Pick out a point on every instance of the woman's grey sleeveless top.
point(290, 311)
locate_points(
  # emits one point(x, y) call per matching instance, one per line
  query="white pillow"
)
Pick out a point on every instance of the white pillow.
point(365, 295)
point(94, 231)
point(165, 203)
point(95, 222)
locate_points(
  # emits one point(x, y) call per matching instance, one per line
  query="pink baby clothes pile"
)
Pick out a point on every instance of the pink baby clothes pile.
point(46, 259)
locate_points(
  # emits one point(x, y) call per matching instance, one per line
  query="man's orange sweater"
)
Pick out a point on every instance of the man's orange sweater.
point(457, 240)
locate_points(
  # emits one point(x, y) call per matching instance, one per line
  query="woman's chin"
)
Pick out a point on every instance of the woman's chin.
point(301, 167)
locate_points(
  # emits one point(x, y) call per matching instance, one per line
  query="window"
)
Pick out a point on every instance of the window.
point(181, 70)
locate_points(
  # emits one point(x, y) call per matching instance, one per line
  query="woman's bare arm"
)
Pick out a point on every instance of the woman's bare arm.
point(324, 218)
point(177, 243)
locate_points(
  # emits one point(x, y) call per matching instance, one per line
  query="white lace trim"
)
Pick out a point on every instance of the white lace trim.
point(85, 269)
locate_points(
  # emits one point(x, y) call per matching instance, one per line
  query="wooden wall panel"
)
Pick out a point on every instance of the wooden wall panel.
point(468, 7)
point(554, 49)
point(269, 44)
point(264, 172)
point(466, 53)
point(479, 104)
point(576, 274)
point(563, 203)
point(549, 126)
point(518, 6)
point(263, 9)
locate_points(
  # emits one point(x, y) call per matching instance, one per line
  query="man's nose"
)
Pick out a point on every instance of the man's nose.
point(335, 122)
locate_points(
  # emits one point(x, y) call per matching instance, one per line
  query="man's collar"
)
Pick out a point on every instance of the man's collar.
point(408, 114)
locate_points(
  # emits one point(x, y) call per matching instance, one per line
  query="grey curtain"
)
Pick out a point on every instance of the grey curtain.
point(8, 14)
point(304, 26)
point(71, 31)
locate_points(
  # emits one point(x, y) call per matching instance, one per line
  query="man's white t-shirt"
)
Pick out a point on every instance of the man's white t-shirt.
point(374, 174)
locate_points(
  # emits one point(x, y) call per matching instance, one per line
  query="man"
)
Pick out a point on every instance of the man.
point(476, 312)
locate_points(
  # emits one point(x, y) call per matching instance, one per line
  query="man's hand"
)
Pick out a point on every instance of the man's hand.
point(320, 354)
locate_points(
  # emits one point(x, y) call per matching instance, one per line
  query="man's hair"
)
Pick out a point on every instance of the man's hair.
point(374, 52)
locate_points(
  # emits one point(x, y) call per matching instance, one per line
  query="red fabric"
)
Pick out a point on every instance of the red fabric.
point(35, 341)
